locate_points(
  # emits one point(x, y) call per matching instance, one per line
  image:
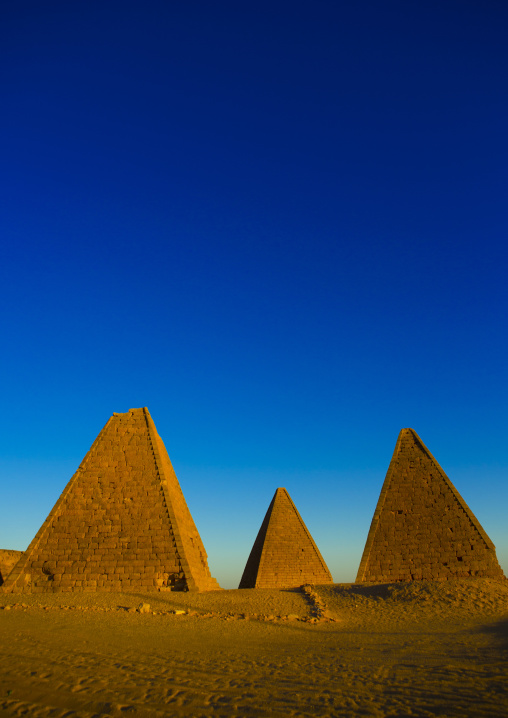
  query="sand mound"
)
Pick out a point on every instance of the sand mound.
point(416, 601)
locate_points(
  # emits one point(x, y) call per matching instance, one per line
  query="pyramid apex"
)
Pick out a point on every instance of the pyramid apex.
point(131, 411)
point(406, 432)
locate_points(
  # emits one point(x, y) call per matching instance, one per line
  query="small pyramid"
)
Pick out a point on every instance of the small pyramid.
point(121, 523)
point(422, 528)
point(8, 559)
point(284, 553)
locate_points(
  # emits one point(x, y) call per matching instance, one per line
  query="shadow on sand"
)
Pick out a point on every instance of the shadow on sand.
point(498, 631)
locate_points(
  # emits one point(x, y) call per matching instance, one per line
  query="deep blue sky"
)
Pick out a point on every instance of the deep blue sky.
point(280, 226)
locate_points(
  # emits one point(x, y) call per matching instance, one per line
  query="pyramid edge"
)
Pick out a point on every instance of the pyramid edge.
point(261, 535)
point(12, 579)
point(194, 584)
point(374, 524)
point(456, 493)
point(309, 536)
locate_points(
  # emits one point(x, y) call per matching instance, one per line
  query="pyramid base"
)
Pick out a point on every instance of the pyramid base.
point(287, 584)
point(40, 583)
point(211, 586)
point(495, 573)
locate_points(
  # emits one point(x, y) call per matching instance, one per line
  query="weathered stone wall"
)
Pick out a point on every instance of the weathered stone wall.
point(422, 528)
point(284, 553)
point(8, 559)
point(120, 524)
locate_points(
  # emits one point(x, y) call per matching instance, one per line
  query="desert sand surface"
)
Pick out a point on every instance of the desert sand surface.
point(415, 649)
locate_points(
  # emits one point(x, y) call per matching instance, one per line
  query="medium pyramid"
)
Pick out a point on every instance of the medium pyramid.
point(284, 553)
point(121, 522)
point(422, 528)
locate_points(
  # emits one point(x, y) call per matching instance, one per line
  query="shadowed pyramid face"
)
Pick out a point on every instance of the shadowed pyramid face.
point(284, 553)
point(422, 528)
point(121, 522)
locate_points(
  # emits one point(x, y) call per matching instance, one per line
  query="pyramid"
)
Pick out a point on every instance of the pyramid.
point(121, 523)
point(284, 553)
point(8, 559)
point(422, 528)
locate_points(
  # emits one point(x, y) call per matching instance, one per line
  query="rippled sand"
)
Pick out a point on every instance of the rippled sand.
point(420, 649)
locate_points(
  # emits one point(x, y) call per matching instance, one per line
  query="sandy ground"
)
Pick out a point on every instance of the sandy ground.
point(418, 649)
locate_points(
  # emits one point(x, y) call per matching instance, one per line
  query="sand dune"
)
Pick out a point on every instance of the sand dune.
point(416, 649)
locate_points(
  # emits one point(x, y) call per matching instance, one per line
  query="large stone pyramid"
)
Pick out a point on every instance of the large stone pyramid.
point(422, 528)
point(284, 553)
point(121, 523)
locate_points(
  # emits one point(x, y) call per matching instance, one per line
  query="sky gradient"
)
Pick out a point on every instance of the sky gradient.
point(282, 228)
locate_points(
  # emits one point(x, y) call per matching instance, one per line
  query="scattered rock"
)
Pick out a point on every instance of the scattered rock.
point(144, 608)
